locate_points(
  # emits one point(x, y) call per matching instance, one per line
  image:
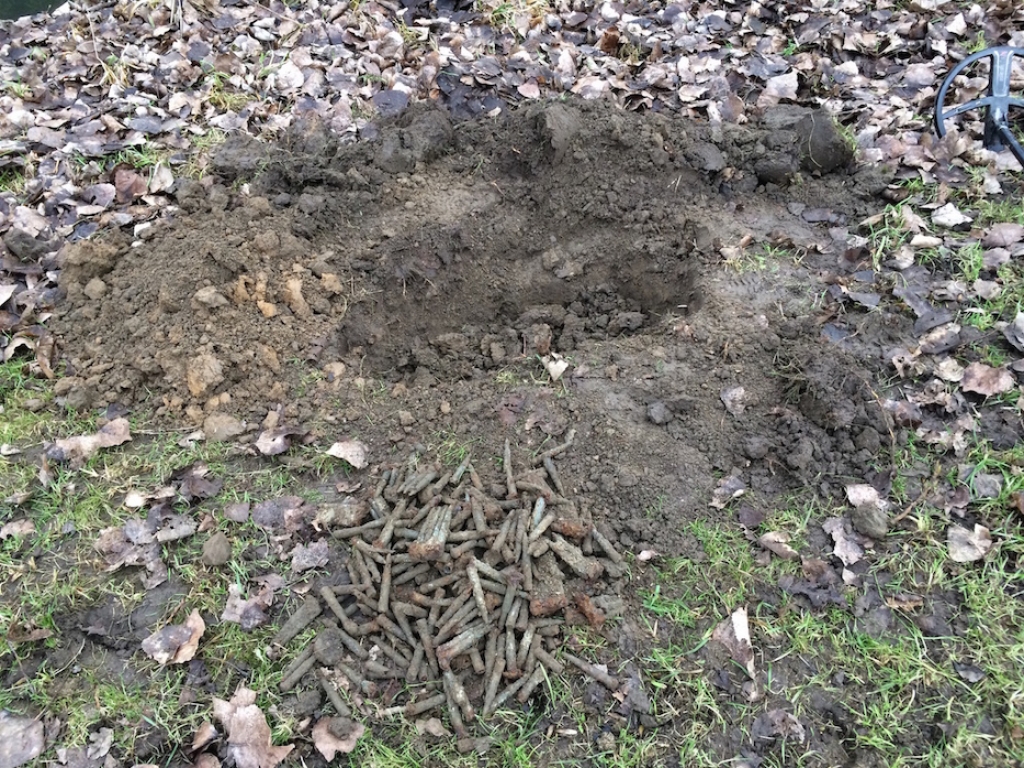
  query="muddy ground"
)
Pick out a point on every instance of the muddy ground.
point(405, 290)
point(429, 262)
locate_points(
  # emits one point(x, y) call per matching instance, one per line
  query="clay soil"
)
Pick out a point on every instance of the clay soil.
point(404, 290)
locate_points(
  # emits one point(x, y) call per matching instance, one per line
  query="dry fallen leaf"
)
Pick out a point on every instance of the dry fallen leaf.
point(734, 634)
point(354, 452)
point(248, 733)
point(306, 557)
point(949, 369)
point(100, 743)
point(904, 602)
point(778, 88)
point(272, 442)
point(778, 542)
point(949, 216)
point(250, 612)
point(778, 723)
point(21, 739)
point(18, 528)
point(555, 365)
point(433, 726)
point(334, 735)
point(176, 643)
point(986, 380)
point(735, 400)
point(728, 488)
point(846, 547)
point(1014, 332)
point(205, 734)
point(78, 449)
point(1001, 235)
point(966, 546)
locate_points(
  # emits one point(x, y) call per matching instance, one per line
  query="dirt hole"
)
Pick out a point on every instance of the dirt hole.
point(437, 262)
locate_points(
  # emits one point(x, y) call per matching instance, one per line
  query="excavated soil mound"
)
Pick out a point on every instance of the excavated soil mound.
point(408, 287)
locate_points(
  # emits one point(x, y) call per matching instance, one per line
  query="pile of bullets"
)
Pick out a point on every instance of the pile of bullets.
point(457, 590)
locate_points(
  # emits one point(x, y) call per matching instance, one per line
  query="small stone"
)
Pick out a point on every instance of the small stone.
point(33, 404)
point(871, 520)
point(216, 550)
point(219, 427)
point(209, 297)
point(658, 413)
point(76, 393)
point(95, 289)
point(406, 419)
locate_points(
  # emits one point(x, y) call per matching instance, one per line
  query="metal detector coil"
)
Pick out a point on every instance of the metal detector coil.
point(997, 102)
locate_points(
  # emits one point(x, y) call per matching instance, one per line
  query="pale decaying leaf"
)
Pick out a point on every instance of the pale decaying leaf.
point(554, 365)
point(176, 643)
point(734, 634)
point(864, 495)
point(336, 735)
point(734, 399)
point(1014, 332)
point(986, 380)
point(78, 449)
point(777, 723)
point(100, 743)
point(950, 216)
point(846, 547)
point(354, 452)
point(17, 528)
point(251, 612)
point(276, 440)
point(432, 726)
point(21, 740)
point(966, 546)
point(728, 488)
point(779, 88)
point(1003, 235)
point(948, 369)
point(306, 557)
point(205, 734)
point(778, 543)
point(248, 734)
